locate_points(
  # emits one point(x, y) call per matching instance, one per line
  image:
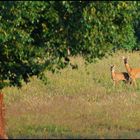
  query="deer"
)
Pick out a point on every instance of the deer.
point(2, 119)
point(134, 73)
point(118, 76)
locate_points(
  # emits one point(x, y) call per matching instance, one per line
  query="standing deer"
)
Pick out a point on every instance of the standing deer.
point(134, 73)
point(118, 76)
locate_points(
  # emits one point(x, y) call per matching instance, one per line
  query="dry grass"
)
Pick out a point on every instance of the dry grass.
point(76, 104)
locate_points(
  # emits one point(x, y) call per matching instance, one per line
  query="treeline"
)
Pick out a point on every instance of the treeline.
point(36, 35)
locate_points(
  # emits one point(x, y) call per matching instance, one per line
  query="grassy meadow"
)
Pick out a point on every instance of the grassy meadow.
point(78, 103)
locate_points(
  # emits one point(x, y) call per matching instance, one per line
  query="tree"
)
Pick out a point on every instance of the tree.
point(107, 25)
point(35, 36)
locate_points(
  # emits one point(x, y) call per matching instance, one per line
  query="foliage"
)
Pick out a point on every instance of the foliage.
point(35, 35)
point(61, 109)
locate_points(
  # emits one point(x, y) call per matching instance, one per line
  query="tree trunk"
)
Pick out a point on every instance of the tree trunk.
point(2, 121)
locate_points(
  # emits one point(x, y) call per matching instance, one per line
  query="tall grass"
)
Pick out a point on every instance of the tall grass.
point(76, 103)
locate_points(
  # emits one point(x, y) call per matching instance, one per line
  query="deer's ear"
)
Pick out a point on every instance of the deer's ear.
point(111, 65)
point(123, 57)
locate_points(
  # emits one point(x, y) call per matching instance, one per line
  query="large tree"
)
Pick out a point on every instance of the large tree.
point(35, 35)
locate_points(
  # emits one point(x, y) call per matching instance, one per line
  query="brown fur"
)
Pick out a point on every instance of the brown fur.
point(118, 76)
point(134, 73)
point(2, 122)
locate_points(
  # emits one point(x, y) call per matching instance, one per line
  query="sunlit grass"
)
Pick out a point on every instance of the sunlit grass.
point(76, 103)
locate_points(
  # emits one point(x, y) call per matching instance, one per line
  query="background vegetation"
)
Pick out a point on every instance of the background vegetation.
point(76, 104)
point(35, 36)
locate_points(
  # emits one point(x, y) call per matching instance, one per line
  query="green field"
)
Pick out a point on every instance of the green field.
point(78, 103)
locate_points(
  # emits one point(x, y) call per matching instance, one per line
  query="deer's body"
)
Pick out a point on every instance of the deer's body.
point(2, 119)
point(134, 73)
point(118, 76)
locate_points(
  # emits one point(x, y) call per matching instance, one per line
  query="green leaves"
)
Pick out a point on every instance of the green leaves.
point(35, 36)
